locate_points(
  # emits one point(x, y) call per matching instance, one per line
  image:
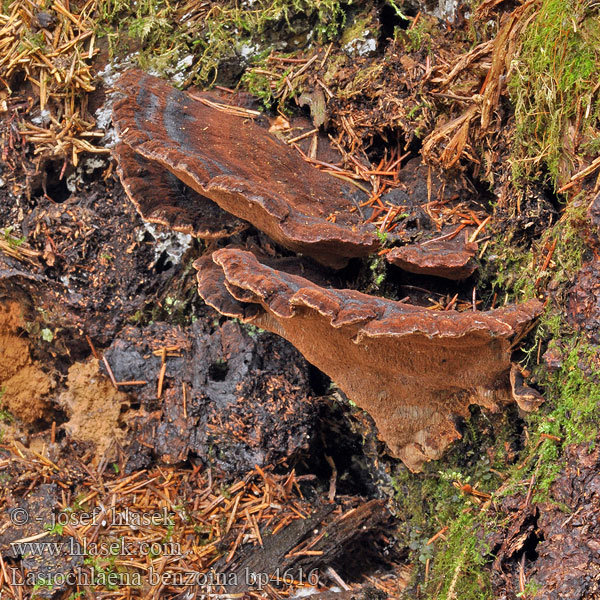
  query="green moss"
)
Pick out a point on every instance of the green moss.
point(554, 87)
point(530, 590)
point(5, 416)
point(572, 392)
point(572, 408)
point(458, 569)
point(575, 396)
point(433, 500)
point(515, 272)
point(360, 24)
point(378, 269)
point(258, 82)
point(396, 8)
point(486, 459)
point(501, 455)
point(198, 43)
point(12, 241)
point(510, 269)
point(47, 334)
point(419, 36)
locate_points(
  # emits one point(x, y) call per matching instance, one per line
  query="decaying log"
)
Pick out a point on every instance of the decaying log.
point(305, 544)
point(362, 594)
point(414, 370)
point(583, 300)
point(594, 219)
point(217, 394)
point(54, 560)
point(245, 170)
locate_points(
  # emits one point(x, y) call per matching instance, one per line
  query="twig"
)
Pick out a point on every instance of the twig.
point(110, 373)
point(162, 372)
point(451, 595)
point(448, 236)
point(302, 136)
point(333, 479)
point(580, 175)
point(227, 108)
point(335, 577)
point(479, 229)
point(439, 534)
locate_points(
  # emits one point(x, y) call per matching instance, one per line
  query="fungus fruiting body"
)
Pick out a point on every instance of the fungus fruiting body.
point(415, 371)
point(450, 258)
point(245, 170)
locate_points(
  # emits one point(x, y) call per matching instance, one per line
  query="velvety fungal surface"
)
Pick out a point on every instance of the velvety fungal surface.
point(245, 170)
point(451, 258)
point(414, 370)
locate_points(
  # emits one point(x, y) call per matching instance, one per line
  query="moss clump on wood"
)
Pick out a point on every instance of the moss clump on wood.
point(516, 271)
point(554, 88)
point(438, 501)
point(571, 411)
point(571, 414)
point(419, 36)
point(490, 462)
point(195, 42)
point(458, 570)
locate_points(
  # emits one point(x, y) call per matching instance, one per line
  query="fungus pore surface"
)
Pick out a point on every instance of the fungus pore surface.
point(416, 371)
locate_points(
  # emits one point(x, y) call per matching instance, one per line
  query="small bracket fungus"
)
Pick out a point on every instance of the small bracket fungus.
point(245, 170)
point(449, 258)
point(414, 370)
point(527, 398)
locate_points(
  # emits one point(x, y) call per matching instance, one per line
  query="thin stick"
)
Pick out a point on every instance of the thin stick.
point(448, 236)
point(439, 534)
point(161, 375)
point(580, 175)
point(302, 136)
point(92, 347)
point(232, 110)
point(110, 373)
point(478, 230)
point(451, 595)
point(326, 54)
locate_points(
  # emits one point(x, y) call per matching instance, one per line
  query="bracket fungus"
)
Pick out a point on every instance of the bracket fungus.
point(160, 197)
point(242, 168)
point(414, 370)
point(448, 258)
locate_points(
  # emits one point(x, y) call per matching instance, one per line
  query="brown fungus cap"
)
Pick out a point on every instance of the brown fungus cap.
point(160, 197)
point(448, 258)
point(414, 370)
point(245, 170)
